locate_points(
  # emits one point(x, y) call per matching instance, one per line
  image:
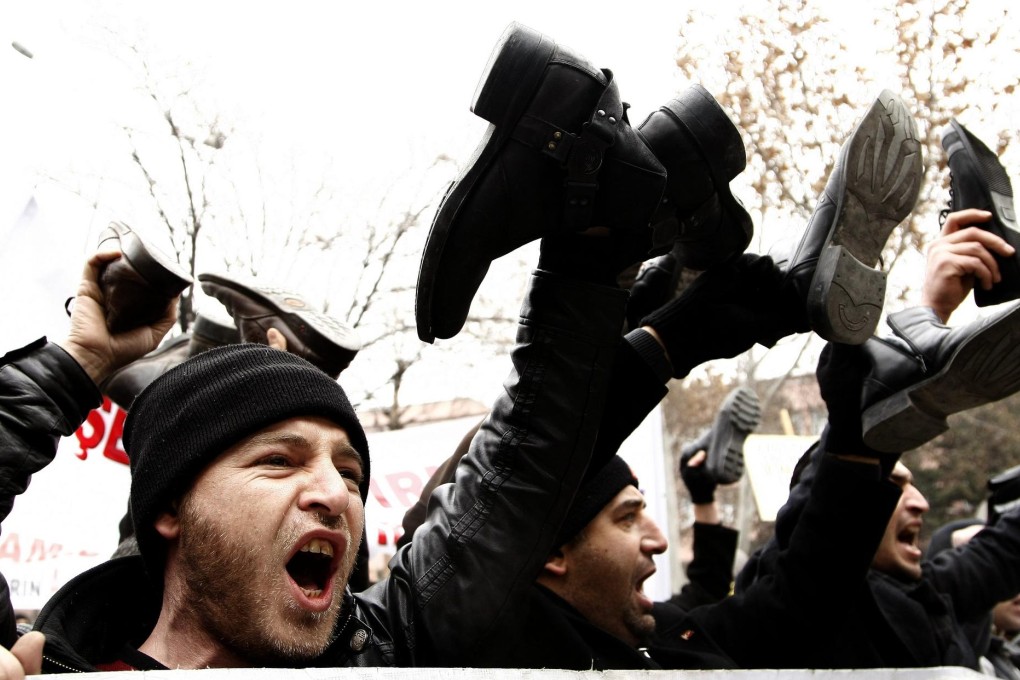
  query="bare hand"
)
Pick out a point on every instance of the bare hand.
point(276, 340)
point(24, 658)
point(960, 258)
point(89, 341)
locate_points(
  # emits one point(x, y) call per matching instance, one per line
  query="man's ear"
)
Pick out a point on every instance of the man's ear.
point(556, 564)
point(168, 522)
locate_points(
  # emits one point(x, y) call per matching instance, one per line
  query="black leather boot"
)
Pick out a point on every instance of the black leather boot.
point(978, 180)
point(873, 187)
point(559, 157)
point(137, 287)
point(702, 151)
point(928, 371)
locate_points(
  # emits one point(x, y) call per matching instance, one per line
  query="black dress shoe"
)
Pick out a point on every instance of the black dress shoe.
point(559, 157)
point(702, 151)
point(873, 187)
point(738, 417)
point(124, 384)
point(978, 180)
point(322, 340)
point(139, 285)
point(929, 371)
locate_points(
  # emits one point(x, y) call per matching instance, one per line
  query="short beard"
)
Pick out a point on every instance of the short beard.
point(223, 593)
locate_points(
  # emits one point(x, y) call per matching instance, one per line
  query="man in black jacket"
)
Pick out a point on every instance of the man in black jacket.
point(286, 489)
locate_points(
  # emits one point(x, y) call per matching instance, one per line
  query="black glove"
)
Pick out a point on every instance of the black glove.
point(841, 372)
point(698, 481)
point(719, 315)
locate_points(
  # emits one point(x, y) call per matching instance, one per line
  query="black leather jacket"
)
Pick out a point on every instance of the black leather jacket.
point(485, 537)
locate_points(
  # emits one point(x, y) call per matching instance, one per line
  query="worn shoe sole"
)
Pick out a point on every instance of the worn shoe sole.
point(322, 334)
point(881, 171)
point(738, 417)
point(983, 369)
point(508, 83)
point(998, 199)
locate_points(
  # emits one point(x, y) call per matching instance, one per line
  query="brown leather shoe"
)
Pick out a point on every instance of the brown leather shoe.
point(127, 382)
point(207, 333)
point(137, 287)
point(312, 335)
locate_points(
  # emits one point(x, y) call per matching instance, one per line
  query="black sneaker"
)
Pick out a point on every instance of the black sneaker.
point(978, 180)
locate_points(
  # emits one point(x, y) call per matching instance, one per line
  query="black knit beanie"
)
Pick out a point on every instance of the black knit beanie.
point(598, 488)
point(194, 412)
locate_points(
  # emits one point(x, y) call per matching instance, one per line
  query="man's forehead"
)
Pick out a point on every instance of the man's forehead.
point(302, 431)
point(902, 475)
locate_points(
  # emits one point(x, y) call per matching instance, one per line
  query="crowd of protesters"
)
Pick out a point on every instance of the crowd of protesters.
point(530, 548)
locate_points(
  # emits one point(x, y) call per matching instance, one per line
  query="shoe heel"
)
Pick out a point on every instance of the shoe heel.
point(512, 75)
point(896, 424)
point(711, 128)
point(845, 300)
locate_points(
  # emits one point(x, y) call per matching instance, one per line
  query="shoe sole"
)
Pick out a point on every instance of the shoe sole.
point(711, 130)
point(998, 191)
point(984, 368)
point(882, 172)
point(156, 267)
point(508, 83)
point(321, 333)
point(738, 417)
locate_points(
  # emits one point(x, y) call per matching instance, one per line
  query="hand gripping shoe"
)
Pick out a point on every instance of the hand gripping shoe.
point(873, 187)
point(558, 157)
point(310, 334)
point(139, 285)
point(978, 180)
point(702, 151)
point(936, 371)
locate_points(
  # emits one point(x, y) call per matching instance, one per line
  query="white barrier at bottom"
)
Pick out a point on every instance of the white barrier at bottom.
point(946, 673)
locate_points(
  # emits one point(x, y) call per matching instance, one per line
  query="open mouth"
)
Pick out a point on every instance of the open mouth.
point(312, 567)
point(910, 537)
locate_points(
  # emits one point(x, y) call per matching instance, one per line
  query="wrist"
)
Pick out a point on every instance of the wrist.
point(93, 365)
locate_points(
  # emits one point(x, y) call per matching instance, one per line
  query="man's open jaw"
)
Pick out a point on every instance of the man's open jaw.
point(644, 600)
point(312, 567)
point(908, 538)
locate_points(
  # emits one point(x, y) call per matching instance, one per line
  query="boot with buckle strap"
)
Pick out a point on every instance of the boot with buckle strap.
point(559, 157)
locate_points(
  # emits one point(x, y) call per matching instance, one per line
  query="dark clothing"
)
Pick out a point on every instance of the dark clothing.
point(481, 547)
point(767, 627)
point(710, 573)
point(904, 624)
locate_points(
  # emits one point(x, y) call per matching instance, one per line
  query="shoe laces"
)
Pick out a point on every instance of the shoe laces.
point(944, 213)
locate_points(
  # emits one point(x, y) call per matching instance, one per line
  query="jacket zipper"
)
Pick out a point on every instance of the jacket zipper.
point(62, 665)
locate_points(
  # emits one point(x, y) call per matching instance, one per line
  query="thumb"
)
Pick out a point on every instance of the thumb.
point(28, 650)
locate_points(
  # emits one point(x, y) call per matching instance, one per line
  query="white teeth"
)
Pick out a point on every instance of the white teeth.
point(317, 545)
point(311, 593)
